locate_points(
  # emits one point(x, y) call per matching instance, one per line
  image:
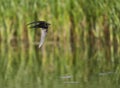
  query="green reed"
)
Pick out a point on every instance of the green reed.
point(82, 41)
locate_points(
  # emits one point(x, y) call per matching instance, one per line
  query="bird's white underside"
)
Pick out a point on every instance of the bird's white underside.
point(42, 38)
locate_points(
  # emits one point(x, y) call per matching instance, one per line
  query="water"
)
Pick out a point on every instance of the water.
point(29, 67)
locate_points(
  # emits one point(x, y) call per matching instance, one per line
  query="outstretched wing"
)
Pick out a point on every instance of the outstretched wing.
point(43, 34)
point(34, 24)
point(39, 24)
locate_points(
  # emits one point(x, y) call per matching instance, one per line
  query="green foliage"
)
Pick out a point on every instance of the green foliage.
point(83, 41)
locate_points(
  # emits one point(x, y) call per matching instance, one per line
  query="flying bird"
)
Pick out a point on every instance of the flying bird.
point(44, 29)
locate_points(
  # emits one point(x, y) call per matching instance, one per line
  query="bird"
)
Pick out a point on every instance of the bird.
point(43, 25)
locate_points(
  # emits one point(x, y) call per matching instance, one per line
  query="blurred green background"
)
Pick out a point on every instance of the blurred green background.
point(82, 47)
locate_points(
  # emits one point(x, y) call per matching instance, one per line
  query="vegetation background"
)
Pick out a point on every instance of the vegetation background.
point(82, 48)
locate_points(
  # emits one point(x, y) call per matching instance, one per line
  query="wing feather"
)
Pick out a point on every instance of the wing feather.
point(43, 34)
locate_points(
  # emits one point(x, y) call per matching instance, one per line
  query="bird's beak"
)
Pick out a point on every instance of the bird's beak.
point(49, 24)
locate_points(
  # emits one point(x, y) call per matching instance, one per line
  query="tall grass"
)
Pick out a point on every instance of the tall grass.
point(82, 41)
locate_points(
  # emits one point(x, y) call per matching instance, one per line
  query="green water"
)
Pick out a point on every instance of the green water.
point(81, 49)
point(23, 68)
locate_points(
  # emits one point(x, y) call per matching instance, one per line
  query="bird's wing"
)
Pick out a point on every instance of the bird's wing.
point(34, 24)
point(43, 34)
